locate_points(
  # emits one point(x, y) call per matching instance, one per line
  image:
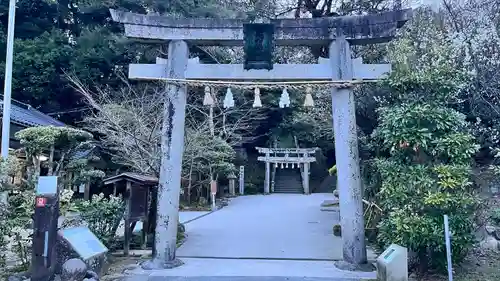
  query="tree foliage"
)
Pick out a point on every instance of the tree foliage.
point(427, 147)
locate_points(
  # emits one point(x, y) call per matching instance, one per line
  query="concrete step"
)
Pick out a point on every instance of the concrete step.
point(289, 186)
point(288, 192)
point(196, 269)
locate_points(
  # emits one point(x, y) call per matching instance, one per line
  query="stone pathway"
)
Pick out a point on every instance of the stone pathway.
point(263, 237)
point(278, 226)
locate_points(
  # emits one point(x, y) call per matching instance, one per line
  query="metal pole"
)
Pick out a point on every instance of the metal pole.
point(448, 247)
point(8, 81)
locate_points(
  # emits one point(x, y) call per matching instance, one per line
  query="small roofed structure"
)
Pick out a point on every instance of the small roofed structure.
point(131, 177)
point(137, 191)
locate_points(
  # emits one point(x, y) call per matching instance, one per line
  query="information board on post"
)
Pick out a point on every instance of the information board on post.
point(83, 242)
point(45, 220)
point(47, 185)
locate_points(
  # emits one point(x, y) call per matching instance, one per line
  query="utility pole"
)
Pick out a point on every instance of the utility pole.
point(7, 93)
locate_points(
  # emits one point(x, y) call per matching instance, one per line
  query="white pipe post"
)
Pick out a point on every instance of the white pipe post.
point(448, 247)
point(8, 81)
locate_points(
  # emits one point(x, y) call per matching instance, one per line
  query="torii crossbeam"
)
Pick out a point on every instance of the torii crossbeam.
point(336, 32)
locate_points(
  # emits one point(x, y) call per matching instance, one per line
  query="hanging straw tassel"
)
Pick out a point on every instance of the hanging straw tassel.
point(208, 99)
point(228, 99)
point(256, 101)
point(309, 102)
point(284, 99)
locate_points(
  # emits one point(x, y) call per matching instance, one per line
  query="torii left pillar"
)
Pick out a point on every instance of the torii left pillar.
point(172, 149)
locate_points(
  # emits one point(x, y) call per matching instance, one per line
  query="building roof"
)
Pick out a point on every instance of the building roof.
point(138, 178)
point(28, 116)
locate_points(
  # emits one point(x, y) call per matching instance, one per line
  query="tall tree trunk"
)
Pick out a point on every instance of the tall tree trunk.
point(190, 183)
point(36, 167)
point(51, 160)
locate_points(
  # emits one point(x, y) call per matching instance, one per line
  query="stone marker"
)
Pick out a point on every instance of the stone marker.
point(392, 264)
point(242, 180)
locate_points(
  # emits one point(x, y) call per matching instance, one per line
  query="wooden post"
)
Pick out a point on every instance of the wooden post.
point(127, 232)
point(86, 193)
point(347, 156)
point(145, 221)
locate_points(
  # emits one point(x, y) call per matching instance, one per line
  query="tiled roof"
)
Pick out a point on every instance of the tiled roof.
point(28, 116)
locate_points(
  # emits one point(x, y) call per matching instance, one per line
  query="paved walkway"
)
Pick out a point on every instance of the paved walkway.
point(278, 226)
point(279, 237)
point(250, 270)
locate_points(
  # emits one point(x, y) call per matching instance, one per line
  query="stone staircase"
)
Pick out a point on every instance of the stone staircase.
point(288, 181)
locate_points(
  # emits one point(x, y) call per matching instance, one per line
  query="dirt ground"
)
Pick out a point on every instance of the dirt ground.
point(118, 264)
point(479, 266)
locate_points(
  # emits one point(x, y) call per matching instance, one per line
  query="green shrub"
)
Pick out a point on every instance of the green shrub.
point(101, 215)
point(426, 175)
point(333, 170)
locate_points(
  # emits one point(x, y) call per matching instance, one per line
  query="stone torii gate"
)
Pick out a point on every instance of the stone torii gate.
point(339, 33)
point(302, 157)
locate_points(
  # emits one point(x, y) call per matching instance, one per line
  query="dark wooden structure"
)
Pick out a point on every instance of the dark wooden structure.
point(137, 191)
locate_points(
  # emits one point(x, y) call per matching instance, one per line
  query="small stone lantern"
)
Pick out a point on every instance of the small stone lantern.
point(232, 182)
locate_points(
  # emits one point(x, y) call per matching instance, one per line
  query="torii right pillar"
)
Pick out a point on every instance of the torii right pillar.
point(347, 156)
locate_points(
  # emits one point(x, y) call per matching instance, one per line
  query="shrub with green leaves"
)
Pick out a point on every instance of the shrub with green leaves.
point(425, 176)
point(101, 215)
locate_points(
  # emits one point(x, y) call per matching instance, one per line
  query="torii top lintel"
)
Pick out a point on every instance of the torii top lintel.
point(358, 30)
